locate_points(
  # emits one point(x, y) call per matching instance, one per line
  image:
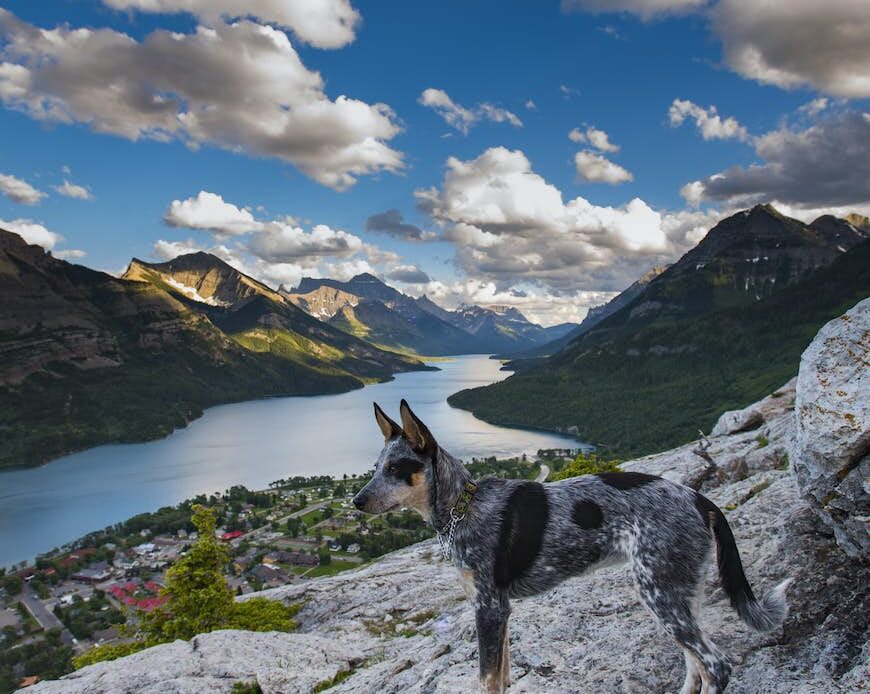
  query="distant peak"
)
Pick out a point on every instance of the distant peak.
point(364, 277)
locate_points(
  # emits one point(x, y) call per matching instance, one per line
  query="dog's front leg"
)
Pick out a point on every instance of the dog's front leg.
point(492, 642)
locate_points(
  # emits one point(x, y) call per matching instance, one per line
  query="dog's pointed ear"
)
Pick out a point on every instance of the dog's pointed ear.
point(415, 431)
point(389, 428)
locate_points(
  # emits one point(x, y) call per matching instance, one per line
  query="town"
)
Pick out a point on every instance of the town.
point(90, 592)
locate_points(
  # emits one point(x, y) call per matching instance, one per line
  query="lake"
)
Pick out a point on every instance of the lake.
point(250, 443)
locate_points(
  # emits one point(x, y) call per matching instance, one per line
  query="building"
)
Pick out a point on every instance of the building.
point(95, 573)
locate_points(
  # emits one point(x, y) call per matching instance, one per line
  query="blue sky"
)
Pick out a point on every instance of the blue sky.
point(523, 214)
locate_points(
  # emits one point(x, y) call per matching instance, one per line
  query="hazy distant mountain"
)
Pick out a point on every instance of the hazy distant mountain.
point(595, 315)
point(715, 331)
point(368, 308)
point(88, 358)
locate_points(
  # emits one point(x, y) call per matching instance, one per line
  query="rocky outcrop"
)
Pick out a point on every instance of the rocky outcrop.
point(831, 447)
point(404, 625)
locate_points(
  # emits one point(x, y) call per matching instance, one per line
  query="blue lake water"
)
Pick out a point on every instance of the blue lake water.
point(250, 443)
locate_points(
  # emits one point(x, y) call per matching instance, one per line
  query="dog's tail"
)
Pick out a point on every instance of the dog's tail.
point(764, 614)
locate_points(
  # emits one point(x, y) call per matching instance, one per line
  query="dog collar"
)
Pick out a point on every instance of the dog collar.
point(446, 534)
point(465, 498)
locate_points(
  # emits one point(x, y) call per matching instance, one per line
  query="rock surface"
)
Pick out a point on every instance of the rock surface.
point(404, 625)
point(831, 446)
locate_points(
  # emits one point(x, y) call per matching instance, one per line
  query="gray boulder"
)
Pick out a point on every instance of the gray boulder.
point(831, 446)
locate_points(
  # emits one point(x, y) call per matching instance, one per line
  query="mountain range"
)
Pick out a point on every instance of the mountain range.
point(368, 308)
point(717, 329)
point(88, 358)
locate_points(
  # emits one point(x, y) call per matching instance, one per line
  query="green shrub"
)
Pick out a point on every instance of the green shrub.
point(586, 464)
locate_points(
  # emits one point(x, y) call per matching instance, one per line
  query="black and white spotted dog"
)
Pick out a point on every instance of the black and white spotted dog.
point(514, 538)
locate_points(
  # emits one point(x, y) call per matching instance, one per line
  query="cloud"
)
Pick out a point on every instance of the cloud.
point(597, 169)
point(509, 225)
point(787, 43)
point(531, 105)
point(32, 232)
point(210, 212)
point(409, 274)
point(461, 118)
point(825, 164)
point(71, 190)
point(643, 8)
point(281, 243)
point(595, 137)
point(709, 123)
point(798, 43)
point(539, 306)
point(70, 254)
point(321, 23)
point(392, 222)
point(815, 107)
point(240, 86)
point(19, 191)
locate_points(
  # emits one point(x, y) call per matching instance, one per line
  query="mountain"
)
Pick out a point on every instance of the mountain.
point(323, 302)
point(264, 320)
point(496, 328)
point(594, 317)
point(714, 331)
point(368, 308)
point(88, 358)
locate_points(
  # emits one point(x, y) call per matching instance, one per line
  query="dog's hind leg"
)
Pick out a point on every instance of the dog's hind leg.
point(692, 683)
point(669, 581)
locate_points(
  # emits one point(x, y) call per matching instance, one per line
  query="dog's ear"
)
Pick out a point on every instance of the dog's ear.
point(415, 431)
point(389, 428)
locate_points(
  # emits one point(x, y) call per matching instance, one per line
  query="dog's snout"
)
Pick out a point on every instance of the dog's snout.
point(360, 501)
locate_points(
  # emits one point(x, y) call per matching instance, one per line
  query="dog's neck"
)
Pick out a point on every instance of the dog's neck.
point(449, 476)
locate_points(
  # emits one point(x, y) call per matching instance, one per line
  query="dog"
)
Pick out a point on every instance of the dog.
point(516, 538)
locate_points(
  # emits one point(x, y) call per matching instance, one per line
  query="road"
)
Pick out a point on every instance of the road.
point(47, 619)
point(543, 474)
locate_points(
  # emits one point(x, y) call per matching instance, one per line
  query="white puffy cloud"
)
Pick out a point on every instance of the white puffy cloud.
point(709, 123)
point(825, 164)
point(32, 232)
point(19, 191)
point(239, 86)
point(643, 8)
point(70, 254)
point(798, 43)
point(537, 304)
point(167, 250)
point(599, 139)
point(787, 43)
point(816, 106)
point(72, 190)
point(596, 168)
point(281, 243)
point(509, 225)
point(322, 23)
point(461, 118)
point(209, 211)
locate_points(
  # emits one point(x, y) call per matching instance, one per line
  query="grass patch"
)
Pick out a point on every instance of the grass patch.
point(337, 679)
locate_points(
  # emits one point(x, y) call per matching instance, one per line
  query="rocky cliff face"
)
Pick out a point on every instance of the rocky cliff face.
point(404, 625)
point(831, 446)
